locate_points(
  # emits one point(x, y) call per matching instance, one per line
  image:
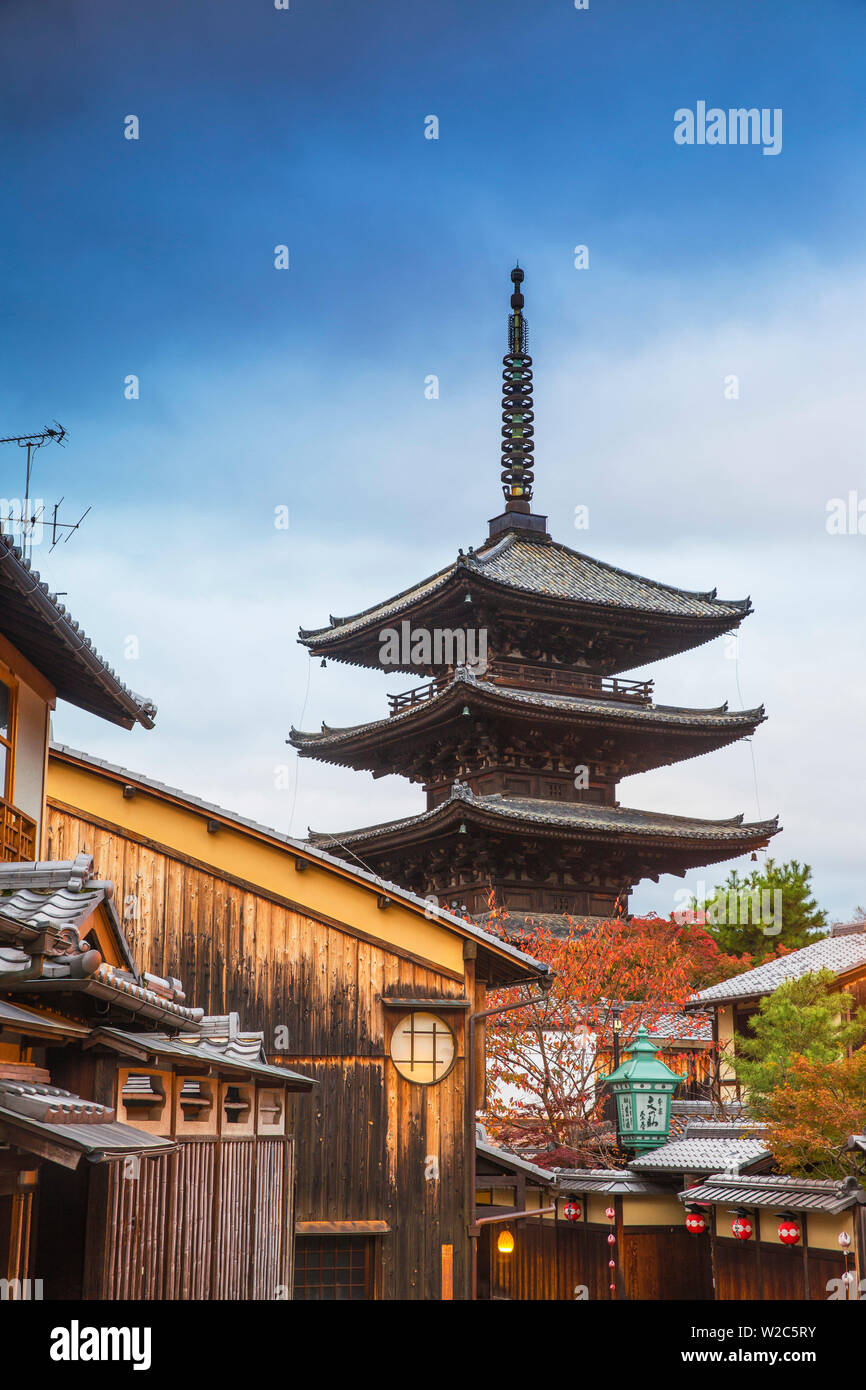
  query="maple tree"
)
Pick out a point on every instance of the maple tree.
point(542, 1064)
point(812, 1113)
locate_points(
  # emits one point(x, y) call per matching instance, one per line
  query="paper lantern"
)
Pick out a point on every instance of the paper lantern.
point(789, 1230)
point(742, 1228)
point(844, 1240)
point(609, 1213)
point(572, 1210)
point(696, 1223)
point(505, 1243)
point(611, 1240)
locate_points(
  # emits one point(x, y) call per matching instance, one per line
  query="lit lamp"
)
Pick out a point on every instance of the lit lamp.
point(505, 1242)
point(643, 1087)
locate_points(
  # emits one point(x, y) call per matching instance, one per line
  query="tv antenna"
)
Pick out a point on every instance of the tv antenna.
point(24, 521)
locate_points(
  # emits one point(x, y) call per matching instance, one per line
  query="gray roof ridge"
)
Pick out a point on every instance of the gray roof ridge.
point(708, 595)
point(525, 694)
point(305, 633)
point(781, 966)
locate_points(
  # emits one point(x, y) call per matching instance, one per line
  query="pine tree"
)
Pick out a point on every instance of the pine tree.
point(771, 906)
point(802, 1019)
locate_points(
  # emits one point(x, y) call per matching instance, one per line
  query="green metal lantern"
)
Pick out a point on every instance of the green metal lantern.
point(643, 1087)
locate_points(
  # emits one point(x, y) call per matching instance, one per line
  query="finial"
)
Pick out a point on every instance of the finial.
point(517, 412)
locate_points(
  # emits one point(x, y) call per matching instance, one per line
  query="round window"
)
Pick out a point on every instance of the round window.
point(422, 1048)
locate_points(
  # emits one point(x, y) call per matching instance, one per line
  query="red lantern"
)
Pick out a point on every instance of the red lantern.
point(572, 1210)
point(742, 1228)
point(610, 1213)
point(611, 1240)
point(789, 1230)
point(696, 1223)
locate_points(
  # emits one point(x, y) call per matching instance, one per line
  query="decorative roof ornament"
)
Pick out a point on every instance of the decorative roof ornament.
point(517, 412)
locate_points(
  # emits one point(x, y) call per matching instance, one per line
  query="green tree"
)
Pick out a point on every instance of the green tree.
point(755, 914)
point(802, 1019)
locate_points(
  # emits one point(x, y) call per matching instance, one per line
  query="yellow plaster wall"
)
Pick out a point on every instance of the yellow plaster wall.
point(823, 1232)
point(653, 1211)
point(250, 856)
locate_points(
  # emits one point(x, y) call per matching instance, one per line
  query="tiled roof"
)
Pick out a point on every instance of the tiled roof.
point(510, 1160)
point(243, 1052)
point(44, 631)
point(837, 953)
point(53, 895)
point(524, 962)
point(580, 707)
point(613, 1181)
point(535, 566)
point(783, 1193)
point(48, 904)
point(30, 1022)
point(82, 1126)
point(578, 816)
point(682, 1027)
point(701, 1153)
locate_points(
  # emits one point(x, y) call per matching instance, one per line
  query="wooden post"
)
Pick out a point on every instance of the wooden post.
point(620, 1249)
point(714, 1211)
point(447, 1272)
point(807, 1291)
point(470, 952)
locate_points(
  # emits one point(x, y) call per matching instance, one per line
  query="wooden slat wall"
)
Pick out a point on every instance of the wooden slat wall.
point(362, 1139)
point(780, 1275)
point(135, 1253)
point(233, 1222)
point(550, 1260)
point(190, 1233)
point(270, 1219)
point(206, 1222)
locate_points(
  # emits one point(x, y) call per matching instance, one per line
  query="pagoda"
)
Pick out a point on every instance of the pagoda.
point(524, 725)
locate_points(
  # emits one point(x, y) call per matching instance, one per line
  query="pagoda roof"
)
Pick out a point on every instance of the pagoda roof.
point(524, 563)
point(717, 725)
point(580, 820)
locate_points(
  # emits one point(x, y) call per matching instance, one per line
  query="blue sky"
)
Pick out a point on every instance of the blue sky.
point(304, 387)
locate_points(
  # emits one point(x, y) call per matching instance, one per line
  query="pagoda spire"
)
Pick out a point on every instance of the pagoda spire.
point(517, 412)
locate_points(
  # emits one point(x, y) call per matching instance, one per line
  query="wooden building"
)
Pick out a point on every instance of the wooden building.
point(355, 982)
point(145, 1150)
point(732, 1003)
point(525, 725)
point(799, 1238)
point(159, 1135)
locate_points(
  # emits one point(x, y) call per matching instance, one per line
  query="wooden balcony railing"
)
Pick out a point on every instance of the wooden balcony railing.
point(525, 677)
point(558, 678)
point(17, 834)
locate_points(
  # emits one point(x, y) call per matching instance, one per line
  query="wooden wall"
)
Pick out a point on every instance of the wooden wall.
point(190, 1226)
point(365, 1135)
point(746, 1270)
point(551, 1259)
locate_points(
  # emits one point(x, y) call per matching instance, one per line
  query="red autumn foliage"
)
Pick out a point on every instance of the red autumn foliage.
point(542, 1062)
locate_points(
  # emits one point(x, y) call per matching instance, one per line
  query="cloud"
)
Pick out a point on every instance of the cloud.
point(682, 484)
